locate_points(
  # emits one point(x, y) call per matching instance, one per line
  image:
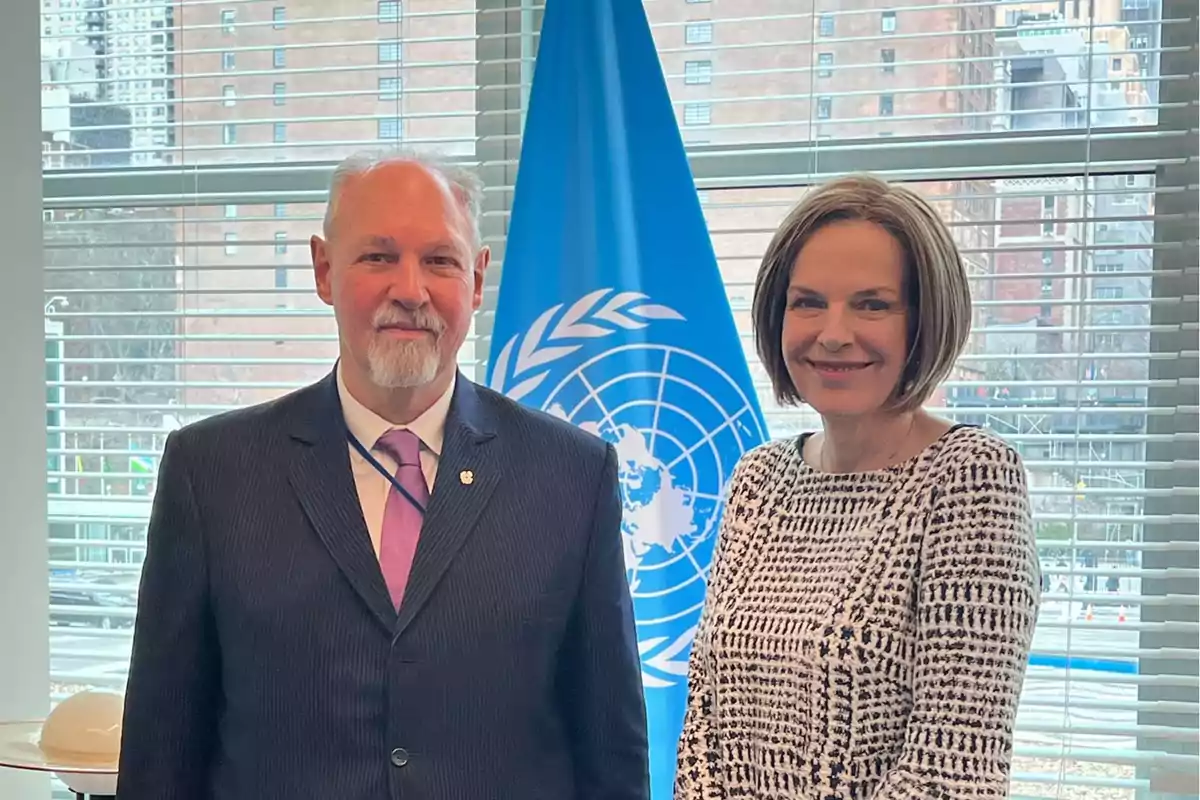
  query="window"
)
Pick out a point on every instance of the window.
point(229, 133)
point(389, 128)
point(697, 114)
point(389, 10)
point(697, 72)
point(280, 134)
point(278, 17)
point(280, 243)
point(279, 58)
point(824, 65)
point(1087, 387)
point(279, 93)
point(231, 211)
point(231, 247)
point(886, 105)
point(228, 20)
point(887, 22)
point(389, 51)
point(230, 95)
point(389, 88)
point(698, 33)
point(281, 273)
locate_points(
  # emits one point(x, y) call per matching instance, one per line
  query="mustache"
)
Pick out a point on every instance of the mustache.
point(390, 315)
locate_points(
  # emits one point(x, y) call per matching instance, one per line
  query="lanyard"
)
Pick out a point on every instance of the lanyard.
point(362, 451)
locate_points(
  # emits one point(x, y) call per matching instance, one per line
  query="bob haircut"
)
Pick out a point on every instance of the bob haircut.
point(935, 282)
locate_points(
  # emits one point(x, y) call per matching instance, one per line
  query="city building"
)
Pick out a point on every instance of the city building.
point(309, 80)
point(118, 53)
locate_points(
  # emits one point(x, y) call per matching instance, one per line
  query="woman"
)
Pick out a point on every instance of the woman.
point(875, 585)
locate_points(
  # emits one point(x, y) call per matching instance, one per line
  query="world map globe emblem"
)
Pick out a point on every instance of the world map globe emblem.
point(679, 424)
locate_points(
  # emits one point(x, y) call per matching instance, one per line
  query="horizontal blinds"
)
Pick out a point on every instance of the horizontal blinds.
point(185, 174)
point(196, 82)
point(163, 306)
point(829, 70)
point(1037, 131)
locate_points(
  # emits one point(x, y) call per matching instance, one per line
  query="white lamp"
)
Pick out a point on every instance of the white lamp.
point(80, 742)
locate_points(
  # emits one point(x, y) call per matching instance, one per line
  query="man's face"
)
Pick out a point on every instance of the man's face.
point(403, 275)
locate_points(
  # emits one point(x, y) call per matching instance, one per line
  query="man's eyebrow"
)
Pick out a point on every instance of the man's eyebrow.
point(378, 241)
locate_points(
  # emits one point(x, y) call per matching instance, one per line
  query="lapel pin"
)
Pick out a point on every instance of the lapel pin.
point(466, 477)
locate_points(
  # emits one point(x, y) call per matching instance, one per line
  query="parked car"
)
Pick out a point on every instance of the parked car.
point(86, 607)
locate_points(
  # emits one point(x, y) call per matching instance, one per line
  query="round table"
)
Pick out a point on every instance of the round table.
point(88, 778)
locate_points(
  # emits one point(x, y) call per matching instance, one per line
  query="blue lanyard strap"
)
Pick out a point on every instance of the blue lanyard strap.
point(365, 453)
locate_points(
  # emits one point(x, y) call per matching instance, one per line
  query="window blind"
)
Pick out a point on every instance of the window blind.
point(170, 298)
point(1057, 141)
point(187, 146)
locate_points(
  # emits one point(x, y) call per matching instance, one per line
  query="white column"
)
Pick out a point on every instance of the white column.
point(24, 613)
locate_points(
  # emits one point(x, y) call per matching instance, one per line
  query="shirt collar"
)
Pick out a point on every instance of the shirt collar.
point(367, 426)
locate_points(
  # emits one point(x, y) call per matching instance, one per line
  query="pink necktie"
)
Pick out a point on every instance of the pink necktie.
point(401, 519)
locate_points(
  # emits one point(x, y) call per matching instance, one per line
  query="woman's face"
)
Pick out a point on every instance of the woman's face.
point(845, 325)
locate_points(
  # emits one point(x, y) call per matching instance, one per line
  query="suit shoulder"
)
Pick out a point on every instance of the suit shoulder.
point(539, 425)
point(243, 424)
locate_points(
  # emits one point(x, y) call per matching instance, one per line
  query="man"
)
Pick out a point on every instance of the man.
point(393, 583)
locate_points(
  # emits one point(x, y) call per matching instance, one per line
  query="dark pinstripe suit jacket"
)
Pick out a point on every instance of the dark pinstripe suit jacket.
point(269, 663)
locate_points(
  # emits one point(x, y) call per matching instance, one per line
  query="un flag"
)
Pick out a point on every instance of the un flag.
point(612, 315)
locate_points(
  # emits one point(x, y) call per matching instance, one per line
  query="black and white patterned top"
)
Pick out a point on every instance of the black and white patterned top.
point(866, 634)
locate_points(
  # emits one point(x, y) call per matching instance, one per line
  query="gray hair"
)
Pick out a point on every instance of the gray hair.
point(465, 185)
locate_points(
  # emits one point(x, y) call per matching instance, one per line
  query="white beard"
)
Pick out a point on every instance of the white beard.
point(402, 365)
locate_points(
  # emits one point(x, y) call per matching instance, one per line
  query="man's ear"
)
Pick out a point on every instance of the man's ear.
point(321, 268)
point(480, 269)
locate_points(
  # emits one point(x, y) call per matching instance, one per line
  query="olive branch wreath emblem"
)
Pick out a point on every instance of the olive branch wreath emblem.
point(526, 360)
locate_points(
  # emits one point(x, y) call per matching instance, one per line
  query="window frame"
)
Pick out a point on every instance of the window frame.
point(387, 47)
point(699, 32)
point(825, 61)
point(698, 72)
point(384, 13)
point(1141, 150)
point(697, 114)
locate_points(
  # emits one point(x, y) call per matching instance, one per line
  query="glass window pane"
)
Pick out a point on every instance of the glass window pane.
point(952, 67)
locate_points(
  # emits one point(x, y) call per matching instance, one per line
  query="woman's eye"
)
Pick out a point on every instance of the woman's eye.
point(806, 302)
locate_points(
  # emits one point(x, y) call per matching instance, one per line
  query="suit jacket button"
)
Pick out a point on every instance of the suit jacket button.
point(399, 757)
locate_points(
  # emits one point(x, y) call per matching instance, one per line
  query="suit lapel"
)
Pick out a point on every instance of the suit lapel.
point(321, 476)
point(468, 472)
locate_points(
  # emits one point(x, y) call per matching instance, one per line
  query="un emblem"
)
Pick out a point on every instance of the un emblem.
point(613, 364)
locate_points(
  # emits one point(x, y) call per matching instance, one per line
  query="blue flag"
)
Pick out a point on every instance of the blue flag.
point(612, 315)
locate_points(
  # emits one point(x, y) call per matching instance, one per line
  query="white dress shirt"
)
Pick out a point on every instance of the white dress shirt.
point(367, 426)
